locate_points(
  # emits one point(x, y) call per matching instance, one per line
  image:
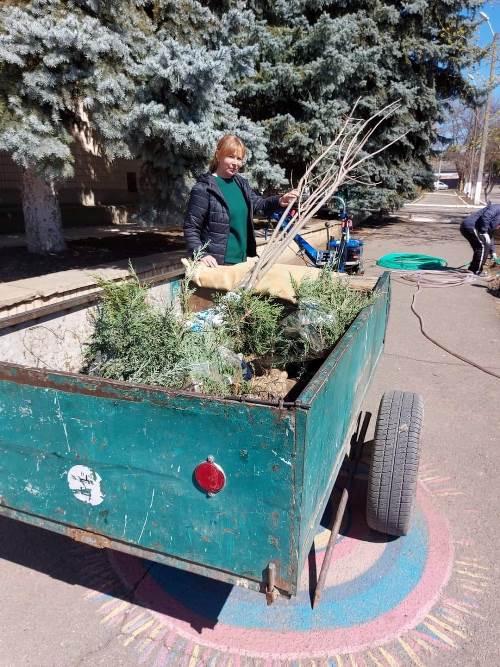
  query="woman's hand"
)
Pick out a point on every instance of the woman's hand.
point(289, 198)
point(208, 260)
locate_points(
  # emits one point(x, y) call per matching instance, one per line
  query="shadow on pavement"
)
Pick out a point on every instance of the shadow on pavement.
point(16, 263)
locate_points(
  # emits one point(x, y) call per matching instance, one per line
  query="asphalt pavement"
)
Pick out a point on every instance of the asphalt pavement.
point(460, 461)
point(430, 598)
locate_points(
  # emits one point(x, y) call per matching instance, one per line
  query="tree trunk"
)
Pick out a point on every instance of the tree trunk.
point(488, 186)
point(42, 215)
point(163, 197)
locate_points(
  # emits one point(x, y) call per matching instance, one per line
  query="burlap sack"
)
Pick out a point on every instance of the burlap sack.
point(221, 277)
point(276, 282)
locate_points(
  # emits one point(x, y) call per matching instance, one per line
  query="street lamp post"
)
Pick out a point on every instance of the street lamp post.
point(471, 154)
point(487, 106)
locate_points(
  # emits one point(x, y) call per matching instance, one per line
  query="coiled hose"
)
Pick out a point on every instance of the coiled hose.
point(408, 261)
point(433, 279)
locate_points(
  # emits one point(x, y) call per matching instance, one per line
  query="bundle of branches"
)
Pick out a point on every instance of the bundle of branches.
point(322, 179)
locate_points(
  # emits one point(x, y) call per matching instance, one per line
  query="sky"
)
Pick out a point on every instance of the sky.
point(484, 38)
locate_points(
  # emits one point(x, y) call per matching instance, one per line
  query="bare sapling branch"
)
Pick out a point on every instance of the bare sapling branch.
point(322, 178)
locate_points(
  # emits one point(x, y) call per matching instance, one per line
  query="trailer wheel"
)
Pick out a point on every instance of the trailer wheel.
point(393, 472)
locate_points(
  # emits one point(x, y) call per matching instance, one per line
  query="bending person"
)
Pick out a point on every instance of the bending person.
point(478, 229)
point(222, 205)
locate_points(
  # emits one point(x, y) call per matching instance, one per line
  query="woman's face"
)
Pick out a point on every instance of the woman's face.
point(229, 165)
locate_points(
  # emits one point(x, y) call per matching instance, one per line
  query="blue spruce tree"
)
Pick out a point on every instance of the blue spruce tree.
point(58, 64)
point(149, 80)
point(188, 65)
point(317, 57)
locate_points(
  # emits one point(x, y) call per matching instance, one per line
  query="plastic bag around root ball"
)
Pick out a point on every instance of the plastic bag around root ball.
point(205, 319)
point(212, 317)
point(230, 370)
point(307, 324)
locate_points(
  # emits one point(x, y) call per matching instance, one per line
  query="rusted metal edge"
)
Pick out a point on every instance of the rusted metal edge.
point(77, 301)
point(258, 401)
point(314, 385)
point(88, 385)
point(99, 541)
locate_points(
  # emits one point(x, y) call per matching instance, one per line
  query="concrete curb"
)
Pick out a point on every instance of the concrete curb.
point(63, 289)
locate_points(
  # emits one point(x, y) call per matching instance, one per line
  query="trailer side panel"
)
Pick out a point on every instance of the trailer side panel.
point(118, 461)
point(334, 397)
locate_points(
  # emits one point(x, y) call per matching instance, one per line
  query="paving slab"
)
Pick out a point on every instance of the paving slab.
point(11, 294)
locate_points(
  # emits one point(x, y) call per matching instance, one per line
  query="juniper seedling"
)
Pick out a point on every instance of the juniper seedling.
point(330, 304)
point(136, 342)
point(251, 321)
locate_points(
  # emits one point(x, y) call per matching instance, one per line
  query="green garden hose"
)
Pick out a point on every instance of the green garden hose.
point(409, 261)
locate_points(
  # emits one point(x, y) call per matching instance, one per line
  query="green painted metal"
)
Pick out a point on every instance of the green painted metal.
point(145, 444)
point(335, 395)
point(112, 463)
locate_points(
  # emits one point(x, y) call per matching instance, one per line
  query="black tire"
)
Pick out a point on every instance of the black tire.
point(393, 472)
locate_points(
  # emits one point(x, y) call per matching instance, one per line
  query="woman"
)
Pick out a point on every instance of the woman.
point(221, 208)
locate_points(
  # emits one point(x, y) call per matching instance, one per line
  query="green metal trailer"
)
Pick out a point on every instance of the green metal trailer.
point(117, 465)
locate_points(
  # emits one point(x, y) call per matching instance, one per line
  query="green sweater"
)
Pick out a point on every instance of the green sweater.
point(236, 249)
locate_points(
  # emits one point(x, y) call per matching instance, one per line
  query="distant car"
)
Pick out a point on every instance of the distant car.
point(439, 185)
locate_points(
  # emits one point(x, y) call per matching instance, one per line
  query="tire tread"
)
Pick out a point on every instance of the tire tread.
point(394, 465)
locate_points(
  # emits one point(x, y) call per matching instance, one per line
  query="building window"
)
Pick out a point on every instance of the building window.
point(131, 181)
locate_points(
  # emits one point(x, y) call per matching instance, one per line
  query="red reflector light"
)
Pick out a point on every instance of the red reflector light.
point(210, 477)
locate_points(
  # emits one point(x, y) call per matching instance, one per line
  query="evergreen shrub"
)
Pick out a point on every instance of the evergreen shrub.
point(140, 342)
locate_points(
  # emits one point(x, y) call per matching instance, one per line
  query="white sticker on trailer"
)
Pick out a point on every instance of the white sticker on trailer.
point(85, 485)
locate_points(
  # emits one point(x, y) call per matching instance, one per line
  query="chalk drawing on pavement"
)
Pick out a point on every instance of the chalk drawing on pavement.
point(387, 602)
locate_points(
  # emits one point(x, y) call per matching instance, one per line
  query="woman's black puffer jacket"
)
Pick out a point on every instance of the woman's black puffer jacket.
point(207, 217)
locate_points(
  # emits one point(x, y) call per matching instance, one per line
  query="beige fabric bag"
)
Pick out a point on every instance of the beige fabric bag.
point(276, 282)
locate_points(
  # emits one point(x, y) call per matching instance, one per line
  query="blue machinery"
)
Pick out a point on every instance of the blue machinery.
point(344, 255)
